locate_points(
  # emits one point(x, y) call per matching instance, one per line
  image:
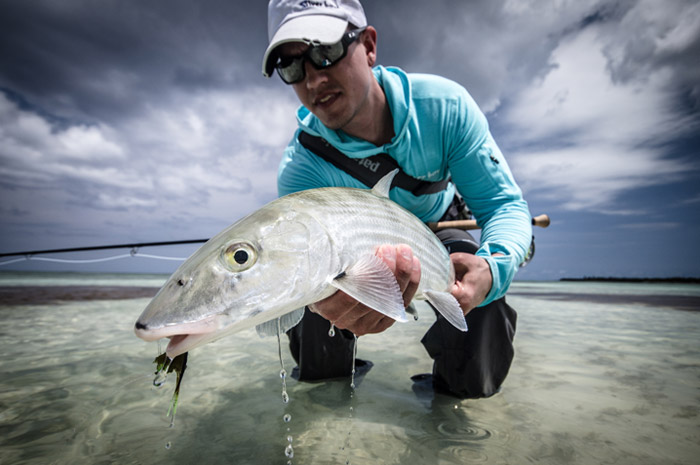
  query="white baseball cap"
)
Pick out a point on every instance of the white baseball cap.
point(311, 21)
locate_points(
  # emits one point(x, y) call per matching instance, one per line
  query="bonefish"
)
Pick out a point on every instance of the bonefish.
point(294, 251)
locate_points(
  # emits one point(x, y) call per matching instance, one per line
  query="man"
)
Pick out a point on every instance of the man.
point(433, 129)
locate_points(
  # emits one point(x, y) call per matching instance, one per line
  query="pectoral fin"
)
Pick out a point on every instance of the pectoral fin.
point(280, 325)
point(371, 282)
point(446, 304)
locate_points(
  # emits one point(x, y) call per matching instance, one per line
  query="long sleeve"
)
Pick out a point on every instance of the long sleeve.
point(484, 179)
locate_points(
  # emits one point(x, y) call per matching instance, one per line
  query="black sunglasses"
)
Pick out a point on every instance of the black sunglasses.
point(291, 69)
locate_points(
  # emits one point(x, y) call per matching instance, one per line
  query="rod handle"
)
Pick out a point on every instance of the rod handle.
point(541, 221)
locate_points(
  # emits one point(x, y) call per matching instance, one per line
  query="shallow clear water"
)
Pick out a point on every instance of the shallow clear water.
point(594, 381)
point(80, 279)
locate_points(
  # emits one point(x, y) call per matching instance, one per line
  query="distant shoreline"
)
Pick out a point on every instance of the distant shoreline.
point(676, 280)
point(42, 295)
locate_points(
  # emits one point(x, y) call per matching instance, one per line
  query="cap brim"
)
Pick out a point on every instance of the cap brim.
point(320, 29)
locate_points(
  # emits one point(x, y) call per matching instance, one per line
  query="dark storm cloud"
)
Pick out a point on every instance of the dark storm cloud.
point(152, 115)
point(104, 59)
point(150, 120)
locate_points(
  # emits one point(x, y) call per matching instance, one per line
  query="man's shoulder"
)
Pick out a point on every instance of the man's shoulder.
point(425, 85)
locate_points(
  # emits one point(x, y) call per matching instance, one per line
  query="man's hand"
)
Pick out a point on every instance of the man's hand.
point(347, 313)
point(472, 280)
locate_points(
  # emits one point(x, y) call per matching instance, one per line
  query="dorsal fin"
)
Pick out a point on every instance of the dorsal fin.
point(383, 186)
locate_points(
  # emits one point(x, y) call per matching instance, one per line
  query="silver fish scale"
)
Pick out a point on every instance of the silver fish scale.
point(333, 228)
point(359, 220)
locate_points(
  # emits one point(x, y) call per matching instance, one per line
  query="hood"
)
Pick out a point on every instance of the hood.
point(397, 89)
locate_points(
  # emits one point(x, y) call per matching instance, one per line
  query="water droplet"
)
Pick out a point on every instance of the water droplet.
point(160, 378)
point(162, 374)
point(287, 418)
point(168, 445)
point(290, 439)
point(289, 451)
point(283, 372)
point(415, 317)
point(331, 332)
point(354, 357)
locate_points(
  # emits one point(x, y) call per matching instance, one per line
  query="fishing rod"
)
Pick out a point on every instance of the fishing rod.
point(541, 220)
point(135, 245)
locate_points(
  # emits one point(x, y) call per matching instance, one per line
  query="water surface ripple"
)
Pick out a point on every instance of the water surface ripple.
point(602, 374)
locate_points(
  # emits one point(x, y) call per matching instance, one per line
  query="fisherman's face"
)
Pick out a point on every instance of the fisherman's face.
point(337, 95)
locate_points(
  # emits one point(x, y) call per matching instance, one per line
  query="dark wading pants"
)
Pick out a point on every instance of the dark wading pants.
point(466, 365)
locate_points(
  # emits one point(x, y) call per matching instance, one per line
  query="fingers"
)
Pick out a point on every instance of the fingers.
point(370, 324)
point(363, 320)
point(333, 308)
point(472, 280)
point(463, 289)
point(405, 267)
point(347, 313)
point(413, 283)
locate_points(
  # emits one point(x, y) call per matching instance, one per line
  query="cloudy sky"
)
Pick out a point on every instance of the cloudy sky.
point(138, 121)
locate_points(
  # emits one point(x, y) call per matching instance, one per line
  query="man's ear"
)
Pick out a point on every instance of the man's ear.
point(369, 40)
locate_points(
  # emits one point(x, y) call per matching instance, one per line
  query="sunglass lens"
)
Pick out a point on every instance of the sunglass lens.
point(291, 71)
point(323, 56)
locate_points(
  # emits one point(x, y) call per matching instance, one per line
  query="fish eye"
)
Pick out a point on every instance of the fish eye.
point(239, 256)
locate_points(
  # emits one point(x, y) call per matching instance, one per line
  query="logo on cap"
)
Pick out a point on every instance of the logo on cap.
point(311, 4)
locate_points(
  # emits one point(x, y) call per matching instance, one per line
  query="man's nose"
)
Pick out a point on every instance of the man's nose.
point(314, 77)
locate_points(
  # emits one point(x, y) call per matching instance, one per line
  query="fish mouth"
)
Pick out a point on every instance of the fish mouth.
point(181, 343)
point(183, 336)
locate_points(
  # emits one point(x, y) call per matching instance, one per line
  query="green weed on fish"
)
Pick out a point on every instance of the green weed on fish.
point(165, 365)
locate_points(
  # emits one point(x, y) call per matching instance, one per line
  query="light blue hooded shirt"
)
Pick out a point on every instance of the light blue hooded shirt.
point(439, 132)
